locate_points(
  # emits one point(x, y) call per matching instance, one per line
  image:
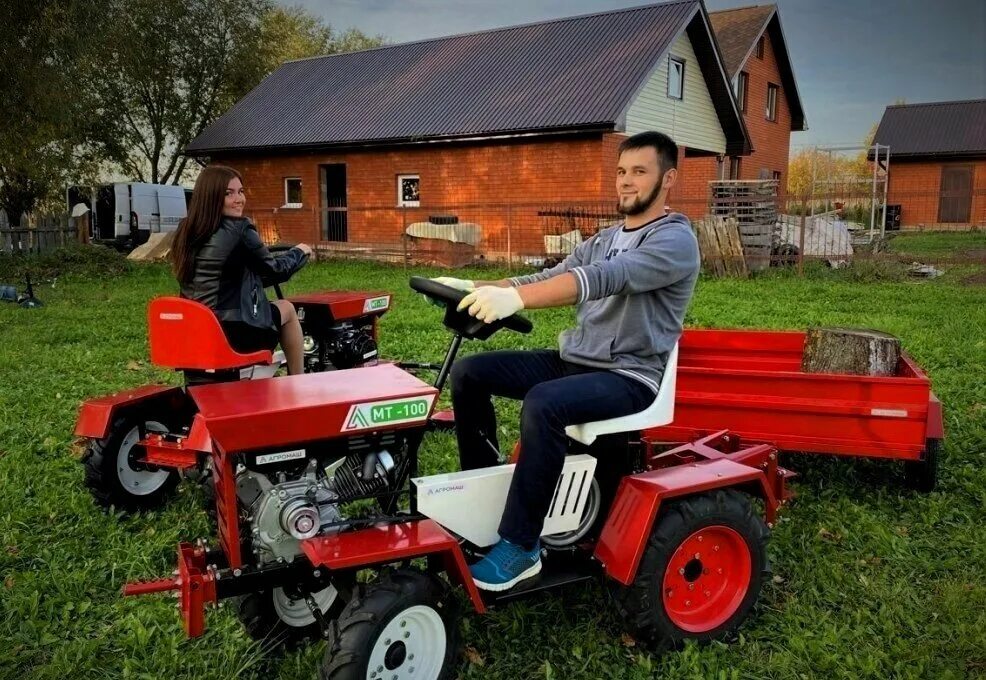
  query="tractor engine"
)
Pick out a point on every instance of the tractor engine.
point(289, 496)
point(346, 344)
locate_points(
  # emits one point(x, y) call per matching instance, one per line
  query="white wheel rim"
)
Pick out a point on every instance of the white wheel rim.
point(411, 647)
point(295, 612)
point(137, 482)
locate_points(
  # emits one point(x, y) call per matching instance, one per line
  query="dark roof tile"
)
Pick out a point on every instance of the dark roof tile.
point(935, 128)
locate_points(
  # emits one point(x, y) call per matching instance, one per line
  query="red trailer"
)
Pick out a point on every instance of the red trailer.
point(750, 383)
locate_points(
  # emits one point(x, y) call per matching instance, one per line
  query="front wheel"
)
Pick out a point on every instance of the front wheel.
point(701, 571)
point(922, 475)
point(405, 626)
point(114, 475)
point(281, 618)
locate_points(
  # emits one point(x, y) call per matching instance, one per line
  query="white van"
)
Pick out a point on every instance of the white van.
point(127, 213)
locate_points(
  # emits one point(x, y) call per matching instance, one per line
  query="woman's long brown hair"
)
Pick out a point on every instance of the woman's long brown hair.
point(205, 212)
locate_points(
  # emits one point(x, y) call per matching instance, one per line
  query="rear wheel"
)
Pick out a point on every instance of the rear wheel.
point(405, 626)
point(701, 571)
point(922, 475)
point(114, 475)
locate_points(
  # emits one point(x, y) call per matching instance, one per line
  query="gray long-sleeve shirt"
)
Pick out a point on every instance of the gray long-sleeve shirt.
point(633, 290)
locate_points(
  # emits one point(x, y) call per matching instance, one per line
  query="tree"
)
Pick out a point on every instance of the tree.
point(171, 67)
point(43, 139)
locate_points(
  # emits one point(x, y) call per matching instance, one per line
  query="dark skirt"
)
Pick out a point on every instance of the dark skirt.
point(245, 338)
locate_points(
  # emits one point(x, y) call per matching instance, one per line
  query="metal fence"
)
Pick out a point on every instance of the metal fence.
point(776, 229)
point(46, 232)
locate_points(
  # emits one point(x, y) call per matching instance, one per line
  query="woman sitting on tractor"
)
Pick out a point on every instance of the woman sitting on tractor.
point(221, 262)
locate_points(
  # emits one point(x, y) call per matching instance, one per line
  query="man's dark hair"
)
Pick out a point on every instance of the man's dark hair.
point(667, 150)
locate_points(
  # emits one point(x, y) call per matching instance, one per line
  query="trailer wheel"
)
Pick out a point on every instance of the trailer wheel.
point(922, 475)
point(113, 476)
point(281, 619)
point(700, 573)
point(404, 626)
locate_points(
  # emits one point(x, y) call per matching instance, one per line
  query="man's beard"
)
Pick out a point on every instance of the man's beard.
point(640, 205)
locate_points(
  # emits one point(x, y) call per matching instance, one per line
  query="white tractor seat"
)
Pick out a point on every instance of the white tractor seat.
point(660, 412)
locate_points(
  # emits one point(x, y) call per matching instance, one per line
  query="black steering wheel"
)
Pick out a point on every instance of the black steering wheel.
point(461, 322)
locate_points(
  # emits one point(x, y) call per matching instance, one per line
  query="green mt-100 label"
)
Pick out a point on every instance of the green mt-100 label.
point(391, 412)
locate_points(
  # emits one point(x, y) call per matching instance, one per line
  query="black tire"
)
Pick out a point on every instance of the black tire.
point(290, 627)
point(922, 475)
point(357, 637)
point(103, 474)
point(642, 604)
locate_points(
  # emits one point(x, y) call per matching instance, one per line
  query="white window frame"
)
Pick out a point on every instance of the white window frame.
point(742, 87)
point(772, 91)
point(401, 203)
point(287, 203)
point(681, 94)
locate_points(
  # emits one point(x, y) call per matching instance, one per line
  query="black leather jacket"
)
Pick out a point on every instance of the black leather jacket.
point(231, 270)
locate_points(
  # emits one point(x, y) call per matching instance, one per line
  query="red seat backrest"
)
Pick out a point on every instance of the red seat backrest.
point(185, 334)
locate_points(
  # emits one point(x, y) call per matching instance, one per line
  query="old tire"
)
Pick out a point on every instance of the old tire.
point(114, 478)
point(405, 626)
point(279, 620)
point(922, 475)
point(700, 573)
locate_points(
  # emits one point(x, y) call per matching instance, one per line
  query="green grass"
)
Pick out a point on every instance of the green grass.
point(939, 243)
point(871, 581)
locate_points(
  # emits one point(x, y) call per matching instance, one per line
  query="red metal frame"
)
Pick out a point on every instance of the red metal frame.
point(343, 304)
point(256, 414)
point(392, 542)
point(96, 415)
point(185, 334)
point(714, 462)
point(195, 583)
point(751, 383)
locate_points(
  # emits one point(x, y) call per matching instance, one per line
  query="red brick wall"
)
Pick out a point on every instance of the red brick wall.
point(771, 139)
point(916, 185)
point(484, 183)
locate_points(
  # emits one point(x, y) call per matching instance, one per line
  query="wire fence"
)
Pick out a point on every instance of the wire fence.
point(773, 228)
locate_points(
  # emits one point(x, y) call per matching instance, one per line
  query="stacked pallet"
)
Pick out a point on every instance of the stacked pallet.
point(720, 246)
point(753, 203)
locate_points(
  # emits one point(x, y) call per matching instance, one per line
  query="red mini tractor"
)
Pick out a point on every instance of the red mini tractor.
point(340, 332)
point(673, 531)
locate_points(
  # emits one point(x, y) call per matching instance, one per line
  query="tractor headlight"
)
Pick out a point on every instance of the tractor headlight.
point(309, 344)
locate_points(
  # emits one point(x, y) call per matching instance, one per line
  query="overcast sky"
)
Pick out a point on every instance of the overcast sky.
point(851, 57)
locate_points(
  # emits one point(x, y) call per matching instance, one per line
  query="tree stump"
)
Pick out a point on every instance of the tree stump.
point(852, 351)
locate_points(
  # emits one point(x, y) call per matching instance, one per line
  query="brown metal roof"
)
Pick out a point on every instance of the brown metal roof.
point(579, 73)
point(935, 128)
point(737, 32)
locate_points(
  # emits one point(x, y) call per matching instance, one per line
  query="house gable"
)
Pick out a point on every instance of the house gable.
point(691, 121)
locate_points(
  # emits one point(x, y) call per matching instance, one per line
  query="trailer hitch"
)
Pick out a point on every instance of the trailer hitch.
point(195, 582)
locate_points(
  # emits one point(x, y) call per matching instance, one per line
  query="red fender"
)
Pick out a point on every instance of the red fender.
point(638, 498)
point(96, 415)
point(936, 419)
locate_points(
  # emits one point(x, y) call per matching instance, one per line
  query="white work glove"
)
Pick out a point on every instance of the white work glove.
point(458, 284)
point(492, 303)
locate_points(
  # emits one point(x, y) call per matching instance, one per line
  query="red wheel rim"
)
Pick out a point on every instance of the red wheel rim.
point(706, 579)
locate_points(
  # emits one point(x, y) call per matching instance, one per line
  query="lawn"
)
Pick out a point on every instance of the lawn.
point(871, 581)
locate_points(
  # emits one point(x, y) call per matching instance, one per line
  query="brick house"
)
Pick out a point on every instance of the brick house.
point(501, 130)
point(937, 172)
point(756, 58)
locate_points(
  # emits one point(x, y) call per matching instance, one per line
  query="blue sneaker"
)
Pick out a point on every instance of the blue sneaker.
point(506, 565)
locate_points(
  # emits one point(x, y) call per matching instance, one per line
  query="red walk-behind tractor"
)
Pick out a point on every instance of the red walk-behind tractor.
point(316, 479)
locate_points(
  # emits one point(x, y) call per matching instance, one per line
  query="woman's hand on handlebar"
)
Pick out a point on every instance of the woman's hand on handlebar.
point(305, 248)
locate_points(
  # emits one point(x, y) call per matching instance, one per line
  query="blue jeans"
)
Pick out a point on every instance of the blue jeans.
point(556, 394)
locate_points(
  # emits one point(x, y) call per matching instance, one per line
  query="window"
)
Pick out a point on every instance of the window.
point(408, 191)
point(772, 101)
point(734, 167)
point(676, 78)
point(741, 83)
point(292, 192)
point(760, 48)
point(776, 175)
